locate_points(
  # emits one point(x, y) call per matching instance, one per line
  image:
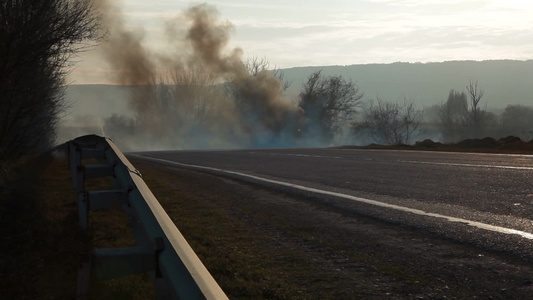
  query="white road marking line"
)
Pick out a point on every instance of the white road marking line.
point(484, 226)
point(298, 155)
point(466, 165)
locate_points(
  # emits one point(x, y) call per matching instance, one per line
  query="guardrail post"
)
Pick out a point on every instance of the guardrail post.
point(95, 200)
point(74, 161)
point(117, 262)
point(83, 209)
point(79, 179)
point(107, 198)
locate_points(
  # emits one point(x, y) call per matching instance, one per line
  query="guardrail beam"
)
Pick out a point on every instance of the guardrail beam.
point(117, 262)
point(104, 199)
point(95, 200)
point(93, 153)
point(97, 171)
point(84, 172)
point(161, 249)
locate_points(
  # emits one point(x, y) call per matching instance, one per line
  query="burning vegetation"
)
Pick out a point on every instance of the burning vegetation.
point(205, 95)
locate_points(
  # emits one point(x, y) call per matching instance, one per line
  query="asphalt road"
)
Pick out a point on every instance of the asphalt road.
point(491, 189)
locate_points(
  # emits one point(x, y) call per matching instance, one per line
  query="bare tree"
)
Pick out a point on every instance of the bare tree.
point(177, 104)
point(476, 112)
point(329, 103)
point(411, 118)
point(255, 65)
point(390, 123)
point(38, 38)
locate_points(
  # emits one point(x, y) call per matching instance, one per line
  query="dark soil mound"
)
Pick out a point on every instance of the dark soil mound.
point(427, 143)
point(487, 142)
point(511, 140)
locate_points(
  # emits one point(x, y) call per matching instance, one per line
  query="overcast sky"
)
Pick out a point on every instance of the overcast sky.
point(292, 33)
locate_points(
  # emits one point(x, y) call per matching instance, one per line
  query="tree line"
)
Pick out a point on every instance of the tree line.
point(462, 116)
point(329, 108)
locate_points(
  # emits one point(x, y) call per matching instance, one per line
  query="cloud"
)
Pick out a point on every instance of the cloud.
point(293, 33)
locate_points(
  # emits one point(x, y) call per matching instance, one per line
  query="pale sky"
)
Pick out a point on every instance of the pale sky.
point(294, 33)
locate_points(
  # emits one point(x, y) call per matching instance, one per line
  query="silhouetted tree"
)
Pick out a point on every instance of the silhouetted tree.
point(476, 112)
point(328, 104)
point(517, 120)
point(37, 39)
point(462, 118)
point(453, 116)
point(390, 123)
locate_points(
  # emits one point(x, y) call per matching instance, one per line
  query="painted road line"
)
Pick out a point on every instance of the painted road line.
point(297, 155)
point(466, 165)
point(484, 226)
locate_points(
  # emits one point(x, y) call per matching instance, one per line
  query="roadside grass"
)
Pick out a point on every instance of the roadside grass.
point(110, 228)
point(305, 233)
point(240, 259)
point(41, 246)
point(234, 256)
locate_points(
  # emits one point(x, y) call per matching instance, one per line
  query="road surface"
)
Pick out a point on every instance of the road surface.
point(490, 188)
point(477, 201)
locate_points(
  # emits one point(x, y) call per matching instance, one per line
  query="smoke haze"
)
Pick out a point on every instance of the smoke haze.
point(198, 93)
point(202, 95)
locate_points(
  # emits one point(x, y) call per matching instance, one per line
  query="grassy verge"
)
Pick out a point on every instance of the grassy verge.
point(110, 228)
point(41, 246)
point(233, 253)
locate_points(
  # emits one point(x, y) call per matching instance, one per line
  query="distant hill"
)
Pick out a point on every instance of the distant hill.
point(504, 82)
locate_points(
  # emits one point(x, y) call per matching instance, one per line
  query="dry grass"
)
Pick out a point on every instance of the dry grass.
point(41, 246)
point(235, 255)
point(110, 228)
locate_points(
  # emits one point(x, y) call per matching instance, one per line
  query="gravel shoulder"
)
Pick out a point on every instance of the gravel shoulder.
point(264, 243)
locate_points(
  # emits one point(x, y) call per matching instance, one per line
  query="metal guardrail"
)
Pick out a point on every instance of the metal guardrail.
point(161, 249)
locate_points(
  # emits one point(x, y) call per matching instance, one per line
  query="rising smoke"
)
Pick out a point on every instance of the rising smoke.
point(201, 95)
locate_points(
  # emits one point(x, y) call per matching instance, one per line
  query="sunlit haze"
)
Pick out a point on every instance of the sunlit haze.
point(318, 33)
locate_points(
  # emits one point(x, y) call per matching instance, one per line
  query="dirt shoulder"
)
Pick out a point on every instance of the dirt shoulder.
point(262, 243)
